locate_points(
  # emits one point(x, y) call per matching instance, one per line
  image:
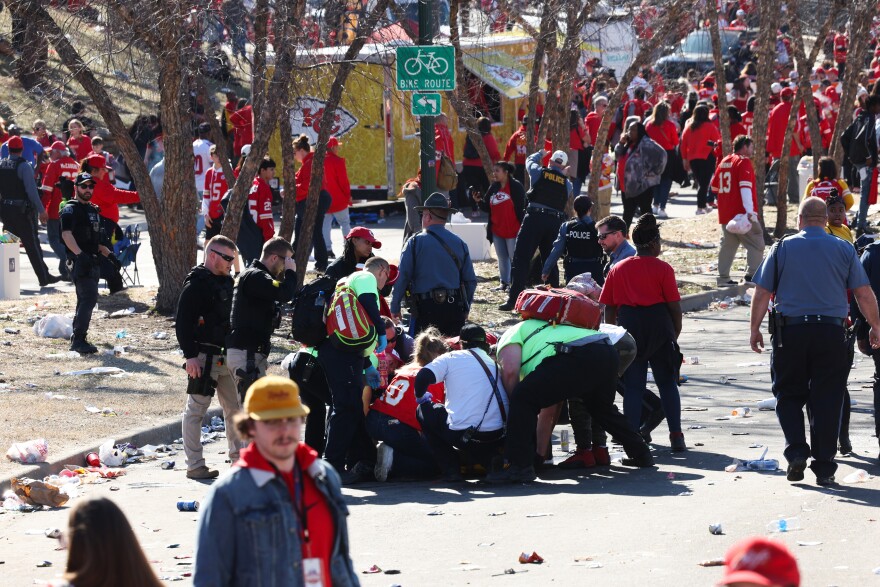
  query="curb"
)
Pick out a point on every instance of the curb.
point(700, 301)
point(162, 433)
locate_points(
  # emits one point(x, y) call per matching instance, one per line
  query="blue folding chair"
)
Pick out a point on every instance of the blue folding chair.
point(128, 262)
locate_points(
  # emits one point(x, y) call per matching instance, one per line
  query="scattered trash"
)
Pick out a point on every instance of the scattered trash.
point(35, 492)
point(563, 441)
point(754, 364)
point(784, 525)
point(715, 562)
point(741, 412)
point(44, 564)
point(28, 453)
point(97, 371)
point(188, 506)
point(486, 544)
point(739, 433)
point(53, 533)
point(542, 515)
point(767, 404)
point(54, 326)
point(50, 395)
point(174, 545)
point(724, 380)
point(13, 503)
point(392, 572)
point(11, 330)
point(93, 460)
point(435, 513)
point(121, 334)
point(857, 476)
point(498, 514)
point(120, 313)
point(761, 464)
point(105, 411)
point(506, 572)
point(693, 360)
point(167, 465)
point(808, 543)
point(160, 335)
point(580, 559)
point(696, 427)
point(217, 424)
point(693, 409)
point(716, 529)
point(110, 455)
point(530, 559)
point(372, 570)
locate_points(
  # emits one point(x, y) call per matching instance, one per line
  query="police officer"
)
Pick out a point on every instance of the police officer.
point(545, 364)
point(548, 199)
point(809, 274)
point(436, 271)
point(256, 312)
point(81, 233)
point(19, 199)
point(579, 240)
point(202, 326)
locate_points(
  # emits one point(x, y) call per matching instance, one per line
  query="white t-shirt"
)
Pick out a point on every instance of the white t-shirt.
point(468, 390)
point(202, 162)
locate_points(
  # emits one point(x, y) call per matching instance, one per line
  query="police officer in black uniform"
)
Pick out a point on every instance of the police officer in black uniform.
point(202, 325)
point(19, 199)
point(82, 236)
point(548, 198)
point(578, 240)
point(256, 311)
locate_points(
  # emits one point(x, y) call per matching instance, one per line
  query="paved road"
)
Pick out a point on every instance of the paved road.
point(638, 526)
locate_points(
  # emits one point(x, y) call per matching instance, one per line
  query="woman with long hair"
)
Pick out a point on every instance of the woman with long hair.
point(358, 247)
point(302, 151)
point(79, 143)
point(640, 164)
point(664, 132)
point(102, 550)
point(697, 152)
point(506, 204)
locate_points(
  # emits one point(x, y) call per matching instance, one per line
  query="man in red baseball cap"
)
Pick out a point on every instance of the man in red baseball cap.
point(776, 125)
point(762, 563)
point(57, 186)
point(20, 207)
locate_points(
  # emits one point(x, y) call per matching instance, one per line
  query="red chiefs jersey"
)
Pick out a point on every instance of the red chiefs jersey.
point(841, 45)
point(823, 188)
point(505, 224)
point(399, 398)
point(731, 175)
point(215, 187)
point(51, 196)
point(517, 147)
point(260, 207)
point(748, 121)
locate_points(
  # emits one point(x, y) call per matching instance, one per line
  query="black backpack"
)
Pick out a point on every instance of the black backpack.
point(854, 140)
point(308, 323)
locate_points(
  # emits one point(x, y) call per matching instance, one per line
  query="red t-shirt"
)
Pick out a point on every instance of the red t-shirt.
point(51, 196)
point(665, 134)
point(107, 198)
point(640, 281)
point(731, 175)
point(741, 104)
point(399, 399)
point(260, 206)
point(304, 177)
point(593, 122)
point(215, 187)
point(748, 121)
point(841, 44)
point(695, 143)
point(491, 146)
point(516, 146)
point(318, 519)
point(736, 129)
point(505, 224)
point(80, 147)
point(243, 121)
point(336, 180)
point(776, 130)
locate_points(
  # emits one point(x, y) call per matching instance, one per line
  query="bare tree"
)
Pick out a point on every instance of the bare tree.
point(769, 17)
point(861, 20)
point(720, 78)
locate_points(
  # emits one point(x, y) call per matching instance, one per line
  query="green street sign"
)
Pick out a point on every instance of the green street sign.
point(426, 104)
point(426, 68)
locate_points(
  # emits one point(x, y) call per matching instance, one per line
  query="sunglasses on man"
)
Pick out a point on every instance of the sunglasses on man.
point(607, 234)
point(227, 258)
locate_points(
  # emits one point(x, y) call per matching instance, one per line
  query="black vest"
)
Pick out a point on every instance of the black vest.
point(85, 225)
point(11, 186)
point(550, 190)
point(215, 301)
point(582, 240)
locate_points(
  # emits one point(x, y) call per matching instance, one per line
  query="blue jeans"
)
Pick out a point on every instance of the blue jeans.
point(412, 455)
point(661, 192)
point(634, 380)
point(864, 174)
point(576, 184)
point(504, 249)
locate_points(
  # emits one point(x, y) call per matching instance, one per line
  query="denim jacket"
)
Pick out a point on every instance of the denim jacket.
point(247, 534)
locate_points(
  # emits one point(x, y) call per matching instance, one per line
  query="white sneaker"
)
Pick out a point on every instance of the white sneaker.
point(655, 210)
point(384, 459)
point(701, 211)
point(662, 215)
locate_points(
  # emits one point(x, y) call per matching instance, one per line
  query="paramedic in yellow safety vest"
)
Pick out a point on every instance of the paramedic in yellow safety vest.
point(545, 364)
point(345, 371)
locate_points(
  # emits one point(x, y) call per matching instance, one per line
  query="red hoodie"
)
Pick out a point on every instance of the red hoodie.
point(107, 198)
point(321, 529)
point(336, 178)
point(304, 177)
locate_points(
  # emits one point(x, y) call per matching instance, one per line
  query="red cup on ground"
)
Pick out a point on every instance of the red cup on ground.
point(93, 460)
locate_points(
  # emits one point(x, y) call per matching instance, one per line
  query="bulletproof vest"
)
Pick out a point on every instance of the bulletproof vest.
point(87, 228)
point(582, 241)
point(11, 186)
point(215, 300)
point(549, 190)
point(251, 320)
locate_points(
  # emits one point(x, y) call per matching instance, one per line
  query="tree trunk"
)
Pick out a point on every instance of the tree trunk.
point(288, 170)
point(31, 63)
point(670, 30)
point(216, 132)
point(782, 189)
point(720, 78)
point(258, 65)
point(304, 240)
point(547, 34)
point(766, 57)
point(862, 20)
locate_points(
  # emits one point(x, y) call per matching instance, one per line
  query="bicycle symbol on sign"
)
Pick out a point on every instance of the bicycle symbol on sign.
point(429, 61)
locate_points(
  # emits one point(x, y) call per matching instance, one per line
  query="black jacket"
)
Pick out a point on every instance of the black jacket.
point(517, 195)
point(203, 310)
point(255, 304)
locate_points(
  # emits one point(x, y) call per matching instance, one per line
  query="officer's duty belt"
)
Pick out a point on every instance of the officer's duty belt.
point(548, 211)
point(813, 319)
point(430, 295)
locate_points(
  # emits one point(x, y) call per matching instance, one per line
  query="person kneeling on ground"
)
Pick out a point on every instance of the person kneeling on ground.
point(545, 366)
point(403, 450)
point(279, 499)
point(472, 420)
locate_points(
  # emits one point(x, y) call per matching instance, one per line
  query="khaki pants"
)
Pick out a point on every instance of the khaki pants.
point(237, 359)
point(753, 241)
point(196, 408)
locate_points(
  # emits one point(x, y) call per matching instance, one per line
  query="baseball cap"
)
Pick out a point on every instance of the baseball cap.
point(364, 233)
point(84, 178)
point(786, 93)
point(272, 398)
point(13, 129)
point(560, 158)
point(393, 274)
point(15, 143)
point(474, 335)
point(246, 150)
point(832, 94)
point(204, 128)
point(58, 146)
point(776, 87)
point(96, 161)
point(832, 71)
point(333, 142)
point(762, 562)
point(820, 70)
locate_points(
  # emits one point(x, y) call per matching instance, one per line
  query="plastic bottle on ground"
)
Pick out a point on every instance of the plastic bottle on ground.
point(784, 525)
point(857, 476)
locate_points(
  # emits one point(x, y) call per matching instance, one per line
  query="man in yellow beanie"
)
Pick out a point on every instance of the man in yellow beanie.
point(279, 499)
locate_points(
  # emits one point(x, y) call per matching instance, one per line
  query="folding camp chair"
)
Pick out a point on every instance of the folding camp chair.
point(128, 262)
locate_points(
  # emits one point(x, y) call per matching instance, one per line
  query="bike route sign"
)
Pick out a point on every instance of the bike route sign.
point(426, 68)
point(426, 104)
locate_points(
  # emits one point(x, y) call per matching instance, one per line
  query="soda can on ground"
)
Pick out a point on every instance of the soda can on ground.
point(167, 464)
point(187, 506)
point(563, 440)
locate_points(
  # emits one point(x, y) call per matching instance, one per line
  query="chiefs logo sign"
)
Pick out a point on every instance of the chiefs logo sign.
point(306, 114)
